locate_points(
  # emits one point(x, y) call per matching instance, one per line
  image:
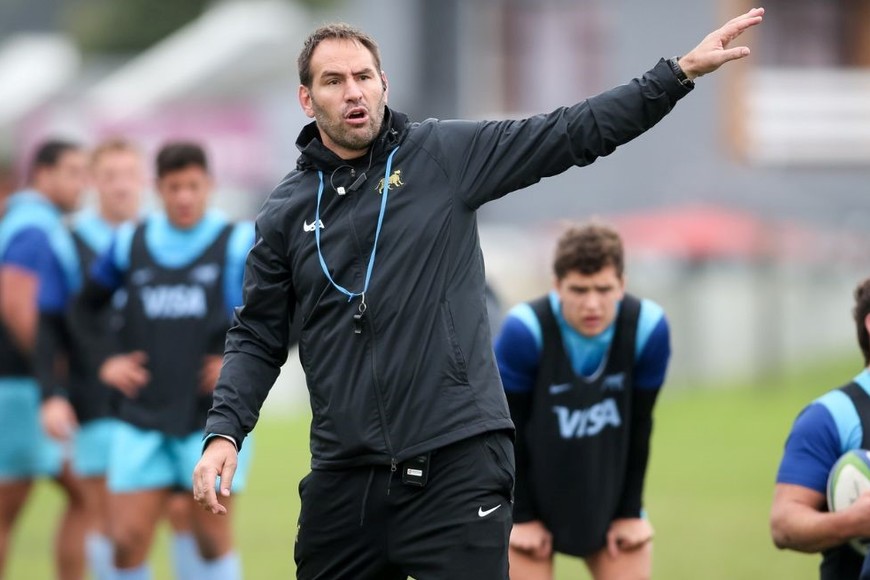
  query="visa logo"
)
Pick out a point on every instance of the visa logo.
point(177, 301)
point(579, 423)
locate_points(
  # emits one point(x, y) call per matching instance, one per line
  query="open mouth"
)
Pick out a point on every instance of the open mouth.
point(357, 115)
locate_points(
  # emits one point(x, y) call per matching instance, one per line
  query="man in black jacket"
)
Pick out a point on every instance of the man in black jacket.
point(372, 241)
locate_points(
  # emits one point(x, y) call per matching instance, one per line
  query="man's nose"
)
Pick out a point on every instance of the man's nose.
point(592, 301)
point(353, 91)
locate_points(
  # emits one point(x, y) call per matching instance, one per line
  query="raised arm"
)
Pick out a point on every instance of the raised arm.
point(493, 158)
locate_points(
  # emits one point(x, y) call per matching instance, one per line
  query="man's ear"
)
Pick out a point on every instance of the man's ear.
point(305, 101)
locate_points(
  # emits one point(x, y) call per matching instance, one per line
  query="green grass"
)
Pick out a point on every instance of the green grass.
point(714, 460)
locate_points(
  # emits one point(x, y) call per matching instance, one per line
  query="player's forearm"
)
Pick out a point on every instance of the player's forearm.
point(804, 529)
point(18, 308)
point(22, 329)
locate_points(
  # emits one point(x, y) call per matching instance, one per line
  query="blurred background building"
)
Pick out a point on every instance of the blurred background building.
point(744, 212)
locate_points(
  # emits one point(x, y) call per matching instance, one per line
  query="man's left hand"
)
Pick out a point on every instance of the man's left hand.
point(627, 534)
point(713, 51)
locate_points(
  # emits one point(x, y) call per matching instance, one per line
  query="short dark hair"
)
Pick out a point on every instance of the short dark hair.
point(338, 30)
point(48, 153)
point(180, 155)
point(859, 313)
point(588, 249)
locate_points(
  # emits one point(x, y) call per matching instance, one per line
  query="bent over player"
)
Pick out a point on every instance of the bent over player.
point(582, 367)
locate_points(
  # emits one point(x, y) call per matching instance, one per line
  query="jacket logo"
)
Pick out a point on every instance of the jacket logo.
point(395, 181)
point(312, 226)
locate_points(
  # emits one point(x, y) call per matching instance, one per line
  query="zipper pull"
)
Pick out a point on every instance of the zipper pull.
point(393, 469)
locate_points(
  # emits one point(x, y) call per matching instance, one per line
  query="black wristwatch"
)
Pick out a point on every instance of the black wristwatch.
point(679, 73)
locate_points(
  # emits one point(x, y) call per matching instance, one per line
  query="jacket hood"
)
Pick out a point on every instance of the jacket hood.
point(316, 155)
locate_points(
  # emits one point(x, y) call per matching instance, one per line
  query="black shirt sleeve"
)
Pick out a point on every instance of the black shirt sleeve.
point(51, 356)
point(493, 158)
point(631, 503)
point(257, 344)
point(85, 319)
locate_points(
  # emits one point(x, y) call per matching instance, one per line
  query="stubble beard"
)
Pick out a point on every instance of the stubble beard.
point(353, 140)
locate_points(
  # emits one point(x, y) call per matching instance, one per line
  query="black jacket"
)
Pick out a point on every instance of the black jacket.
point(421, 374)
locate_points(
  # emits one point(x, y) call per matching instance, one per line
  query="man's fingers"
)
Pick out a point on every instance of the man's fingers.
point(734, 53)
point(753, 16)
point(612, 544)
point(630, 545)
point(139, 356)
point(141, 377)
point(736, 27)
point(545, 548)
point(203, 491)
point(227, 474)
point(72, 422)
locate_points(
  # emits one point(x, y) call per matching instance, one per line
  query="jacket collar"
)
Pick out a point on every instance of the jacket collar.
point(315, 155)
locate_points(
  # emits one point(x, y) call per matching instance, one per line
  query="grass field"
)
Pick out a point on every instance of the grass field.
point(715, 454)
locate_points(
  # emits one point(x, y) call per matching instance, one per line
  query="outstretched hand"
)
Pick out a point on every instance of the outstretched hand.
point(713, 51)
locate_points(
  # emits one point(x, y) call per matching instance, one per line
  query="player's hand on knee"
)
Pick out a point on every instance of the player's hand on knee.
point(220, 458)
point(533, 538)
point(58, 418)
point(627, 534)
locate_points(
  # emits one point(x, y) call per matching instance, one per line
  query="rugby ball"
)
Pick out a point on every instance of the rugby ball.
point(848, 479)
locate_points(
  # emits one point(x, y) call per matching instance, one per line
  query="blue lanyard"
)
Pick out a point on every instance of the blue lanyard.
point(351, 295)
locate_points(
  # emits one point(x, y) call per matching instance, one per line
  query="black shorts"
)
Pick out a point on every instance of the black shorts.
point(364, 523)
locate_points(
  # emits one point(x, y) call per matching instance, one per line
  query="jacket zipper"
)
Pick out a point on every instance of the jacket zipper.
point(381, 408)
point(371, 329)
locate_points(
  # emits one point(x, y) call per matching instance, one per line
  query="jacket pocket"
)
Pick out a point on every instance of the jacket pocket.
point(458, 371)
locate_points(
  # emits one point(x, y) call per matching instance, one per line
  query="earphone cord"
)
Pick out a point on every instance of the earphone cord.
point(334, 171)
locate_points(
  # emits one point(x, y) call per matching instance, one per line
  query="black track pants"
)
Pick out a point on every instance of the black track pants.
point(364, 523)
